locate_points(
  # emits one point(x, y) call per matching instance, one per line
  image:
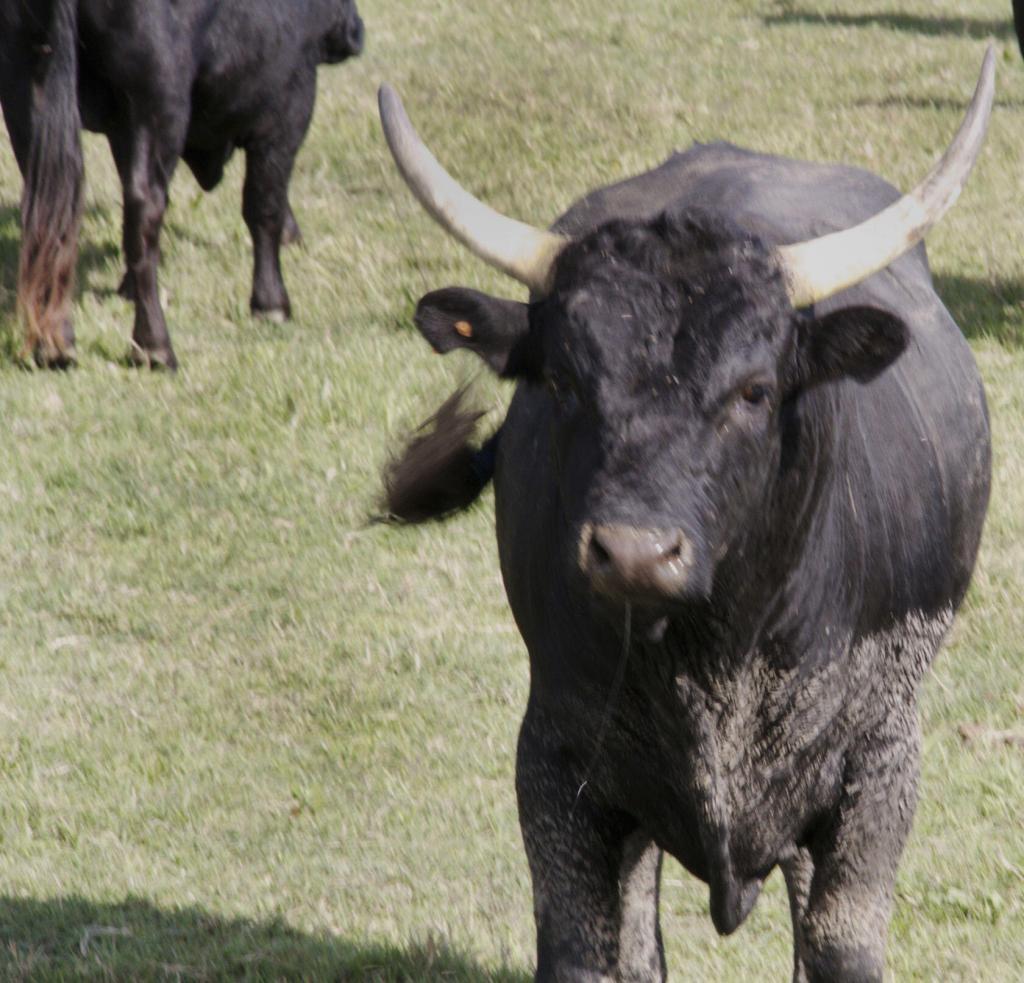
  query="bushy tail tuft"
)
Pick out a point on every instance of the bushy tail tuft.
point(440, 472)
point(51, 203)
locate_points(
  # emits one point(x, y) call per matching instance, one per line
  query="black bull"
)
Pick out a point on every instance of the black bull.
point(733, 537)
point(162, 80)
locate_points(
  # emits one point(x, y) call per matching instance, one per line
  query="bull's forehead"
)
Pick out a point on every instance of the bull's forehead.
point(618, 327)
point(637, 331)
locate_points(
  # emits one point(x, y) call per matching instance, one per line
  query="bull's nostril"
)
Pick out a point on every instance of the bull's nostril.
point(674, 552)
point(599, 556)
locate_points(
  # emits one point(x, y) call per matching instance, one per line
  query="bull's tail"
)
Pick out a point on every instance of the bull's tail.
point(51, 203)
point(440, 472)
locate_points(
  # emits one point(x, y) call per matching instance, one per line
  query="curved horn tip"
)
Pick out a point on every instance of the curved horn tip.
point(818, 268)
point(984, 91)
point(989, 61)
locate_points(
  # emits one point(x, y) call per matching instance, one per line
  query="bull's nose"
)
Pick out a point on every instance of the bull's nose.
point(634, 563)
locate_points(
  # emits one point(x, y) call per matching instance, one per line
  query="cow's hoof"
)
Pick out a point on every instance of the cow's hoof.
point(856, 964)
point(157, 359)
point(276, 315)
point(49, 356)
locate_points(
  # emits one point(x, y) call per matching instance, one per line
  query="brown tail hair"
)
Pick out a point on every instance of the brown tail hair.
point(439, 472)
point(51, 202)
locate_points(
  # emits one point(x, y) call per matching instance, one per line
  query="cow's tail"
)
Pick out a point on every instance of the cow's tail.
point(51, 203)
point(440, 471)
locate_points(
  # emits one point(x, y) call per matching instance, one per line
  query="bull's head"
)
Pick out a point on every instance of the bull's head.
point(673, 350)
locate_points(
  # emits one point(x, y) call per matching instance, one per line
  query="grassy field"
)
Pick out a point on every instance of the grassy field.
point(244, 733)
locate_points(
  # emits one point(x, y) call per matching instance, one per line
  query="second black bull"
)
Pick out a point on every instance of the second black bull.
point(739, 493)
point(163, 80)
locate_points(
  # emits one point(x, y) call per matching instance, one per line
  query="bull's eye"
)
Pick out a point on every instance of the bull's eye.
point(748, 404)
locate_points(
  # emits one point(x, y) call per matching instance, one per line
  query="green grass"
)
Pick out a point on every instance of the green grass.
point(243, 733)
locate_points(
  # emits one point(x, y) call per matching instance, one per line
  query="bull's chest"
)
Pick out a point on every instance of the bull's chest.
point(730, 775)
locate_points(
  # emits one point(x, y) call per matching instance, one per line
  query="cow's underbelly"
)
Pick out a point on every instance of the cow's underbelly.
point(220, 111)
point(97, 100)
point(226, 114)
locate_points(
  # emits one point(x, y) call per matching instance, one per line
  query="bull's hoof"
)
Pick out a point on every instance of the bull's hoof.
point(157, 359)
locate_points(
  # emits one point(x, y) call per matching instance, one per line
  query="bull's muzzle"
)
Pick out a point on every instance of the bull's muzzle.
point(633, 564)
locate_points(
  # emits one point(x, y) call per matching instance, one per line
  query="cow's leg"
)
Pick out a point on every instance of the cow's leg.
point(292, 233)
point(269, 159)
point(146, 155)
point(119, 150)
point(846, 919)
point(207, 165)
point(595, 875)
point(126, 288)
point(264, 207)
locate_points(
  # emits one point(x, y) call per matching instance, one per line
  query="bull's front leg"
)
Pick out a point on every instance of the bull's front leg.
point(843, 918)
point(595, 873)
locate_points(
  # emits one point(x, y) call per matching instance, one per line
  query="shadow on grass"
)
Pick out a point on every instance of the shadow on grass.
point(991, 308)
point(91, 256)
point(76, 938)
point(942, 103)
point(977, 28)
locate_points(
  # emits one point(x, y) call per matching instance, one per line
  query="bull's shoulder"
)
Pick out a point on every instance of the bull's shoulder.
point(644, 195)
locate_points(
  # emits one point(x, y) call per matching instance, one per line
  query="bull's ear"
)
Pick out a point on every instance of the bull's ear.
point(497, 330)
point(859, 342)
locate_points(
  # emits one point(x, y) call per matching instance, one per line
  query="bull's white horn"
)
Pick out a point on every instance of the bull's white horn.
point(520, 250)
point(819, 268)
